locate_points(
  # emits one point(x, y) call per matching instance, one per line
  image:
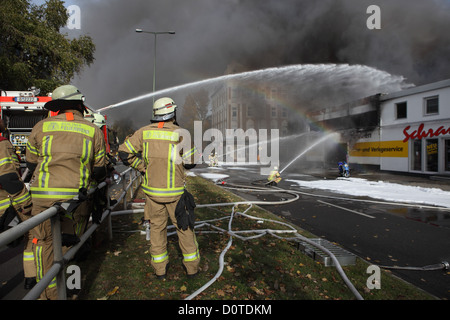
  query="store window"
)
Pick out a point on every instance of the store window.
point(431, 105)
point(401, 110)
point(416, 158)
point(447, 155)
point(432, 155)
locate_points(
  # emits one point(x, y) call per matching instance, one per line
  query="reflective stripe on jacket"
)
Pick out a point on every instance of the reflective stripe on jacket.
point(9, 164)
point(157, 152)
point(65, 150)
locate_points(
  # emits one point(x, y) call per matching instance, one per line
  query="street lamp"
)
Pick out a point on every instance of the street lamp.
point(154, 56)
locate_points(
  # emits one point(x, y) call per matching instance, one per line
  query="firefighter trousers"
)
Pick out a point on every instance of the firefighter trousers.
point(29, 263)
point(43, 240)
point(159, 214)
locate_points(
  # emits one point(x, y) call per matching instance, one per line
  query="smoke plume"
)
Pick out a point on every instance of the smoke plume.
point(413, 41)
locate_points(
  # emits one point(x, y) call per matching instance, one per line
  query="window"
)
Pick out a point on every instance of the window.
point(432, 105)
point(432, 154)
point(447, 155)
point(249, 111)
point(274, 111)
point(401, 110)
point(234, 112)
point(416, 159)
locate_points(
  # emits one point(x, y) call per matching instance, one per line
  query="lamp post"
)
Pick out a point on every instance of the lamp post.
point(155, 33)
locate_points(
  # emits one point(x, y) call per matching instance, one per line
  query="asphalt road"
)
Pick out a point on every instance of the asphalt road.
point(382, 234)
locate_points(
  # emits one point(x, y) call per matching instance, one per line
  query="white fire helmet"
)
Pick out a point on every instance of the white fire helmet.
point(99, 120)
point(65, 97)
point(164, 109)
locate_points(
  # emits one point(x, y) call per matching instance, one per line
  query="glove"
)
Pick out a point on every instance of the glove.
point(7, 220)
point(190, 206)
point(68, 240)
point(185, 219)
point(180, 214)
point(99, 205)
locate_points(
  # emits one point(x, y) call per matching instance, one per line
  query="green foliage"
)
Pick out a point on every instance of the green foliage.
point(33, 52)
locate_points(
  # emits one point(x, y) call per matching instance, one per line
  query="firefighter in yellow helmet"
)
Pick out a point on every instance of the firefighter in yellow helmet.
point(65, 153)
point(15, 203)
point(162, 163)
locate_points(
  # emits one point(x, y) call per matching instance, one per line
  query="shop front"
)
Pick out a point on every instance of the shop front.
point(430, 148)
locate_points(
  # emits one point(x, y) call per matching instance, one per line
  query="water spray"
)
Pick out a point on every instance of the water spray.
point(326, 137)
point(333, 73)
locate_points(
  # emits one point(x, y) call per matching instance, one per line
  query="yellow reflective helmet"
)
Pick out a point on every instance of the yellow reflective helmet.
point(164, 109)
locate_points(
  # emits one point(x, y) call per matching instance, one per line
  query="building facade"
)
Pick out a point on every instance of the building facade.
point(240, 105)
point(405, 131)
point(416, 124)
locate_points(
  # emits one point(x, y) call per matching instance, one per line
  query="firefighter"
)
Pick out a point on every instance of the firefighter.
point(15, 203)
point(274, 177)
point(65, 153)
point(154, 150)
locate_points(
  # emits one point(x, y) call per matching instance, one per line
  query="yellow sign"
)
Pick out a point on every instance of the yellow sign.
point(380, 149)
point(432, 149)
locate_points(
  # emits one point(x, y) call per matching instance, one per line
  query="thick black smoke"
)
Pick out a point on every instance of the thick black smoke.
point(413, 41)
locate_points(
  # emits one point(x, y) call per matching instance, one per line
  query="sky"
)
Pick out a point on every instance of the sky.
point(412, 43)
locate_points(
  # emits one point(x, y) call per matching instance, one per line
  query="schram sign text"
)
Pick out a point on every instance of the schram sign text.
point(421, 133)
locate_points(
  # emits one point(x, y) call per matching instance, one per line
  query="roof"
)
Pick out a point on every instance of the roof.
point(415, 90)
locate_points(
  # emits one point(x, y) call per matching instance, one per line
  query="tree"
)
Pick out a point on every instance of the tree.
point(33, 52)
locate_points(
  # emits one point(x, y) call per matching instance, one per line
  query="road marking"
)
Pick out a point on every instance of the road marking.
point(333, 205)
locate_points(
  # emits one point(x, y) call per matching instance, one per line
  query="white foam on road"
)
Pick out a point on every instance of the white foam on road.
point(381, 190)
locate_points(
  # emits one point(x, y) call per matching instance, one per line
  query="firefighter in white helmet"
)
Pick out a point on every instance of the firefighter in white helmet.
point(65, 153)
point(164, 157)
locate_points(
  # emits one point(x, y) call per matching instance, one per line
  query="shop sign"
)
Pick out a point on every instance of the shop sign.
point(383, 149)
point(421, 133)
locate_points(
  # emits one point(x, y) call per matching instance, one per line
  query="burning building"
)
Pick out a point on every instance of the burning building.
point(405, 131)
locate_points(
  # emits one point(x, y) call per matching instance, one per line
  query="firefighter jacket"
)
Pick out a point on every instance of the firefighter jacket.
point(12, 189)
point(157, 150)
point(67, 153)
point(274, 176)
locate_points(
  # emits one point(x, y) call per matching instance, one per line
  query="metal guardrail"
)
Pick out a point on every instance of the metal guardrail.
point(61, 260)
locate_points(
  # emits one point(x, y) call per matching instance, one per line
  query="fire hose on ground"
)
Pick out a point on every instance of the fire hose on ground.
point(237, 234)
point(275, 233)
